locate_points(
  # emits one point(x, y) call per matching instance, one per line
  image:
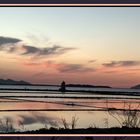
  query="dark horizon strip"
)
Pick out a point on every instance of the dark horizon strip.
point(76, 91)
point(22, 110)
point(72, 97)
point(70, 2)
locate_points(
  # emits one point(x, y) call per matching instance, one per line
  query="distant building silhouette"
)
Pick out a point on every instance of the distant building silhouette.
point(63, 87)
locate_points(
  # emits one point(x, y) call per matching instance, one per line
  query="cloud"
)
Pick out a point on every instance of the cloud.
point(110, 72)
point(91, 61)
point(8, 44)
point(8, 40)
point(55, 50)
point(121, 63)
point(39, 74)
point(32, 64)
point(138, 69)
point(61, 67)
point(72, 68)
point(30, 50)
point(14, 45)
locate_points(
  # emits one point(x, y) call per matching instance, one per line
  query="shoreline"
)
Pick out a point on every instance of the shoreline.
point(77, 91)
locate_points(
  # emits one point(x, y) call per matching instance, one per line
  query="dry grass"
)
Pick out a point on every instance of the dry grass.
point(71, 125)
point(129, 117)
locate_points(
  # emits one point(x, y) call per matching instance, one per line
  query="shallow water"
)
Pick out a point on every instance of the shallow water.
point(25, 112)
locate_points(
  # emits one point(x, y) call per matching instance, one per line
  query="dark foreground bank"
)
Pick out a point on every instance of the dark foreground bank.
point(123, 130)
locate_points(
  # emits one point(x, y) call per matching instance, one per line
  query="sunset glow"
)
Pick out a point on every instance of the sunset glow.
point(84, 45)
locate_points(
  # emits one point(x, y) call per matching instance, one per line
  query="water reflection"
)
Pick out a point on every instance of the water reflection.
point(31, 103)
point(36, 120)
point(23, 119)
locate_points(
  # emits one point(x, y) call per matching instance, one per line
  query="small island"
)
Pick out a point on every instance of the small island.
point(136, 87)
point(13, 82)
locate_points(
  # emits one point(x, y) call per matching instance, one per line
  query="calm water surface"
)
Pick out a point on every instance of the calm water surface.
point(33, 110)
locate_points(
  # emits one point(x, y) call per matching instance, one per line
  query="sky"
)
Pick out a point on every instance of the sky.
point(81, 45)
